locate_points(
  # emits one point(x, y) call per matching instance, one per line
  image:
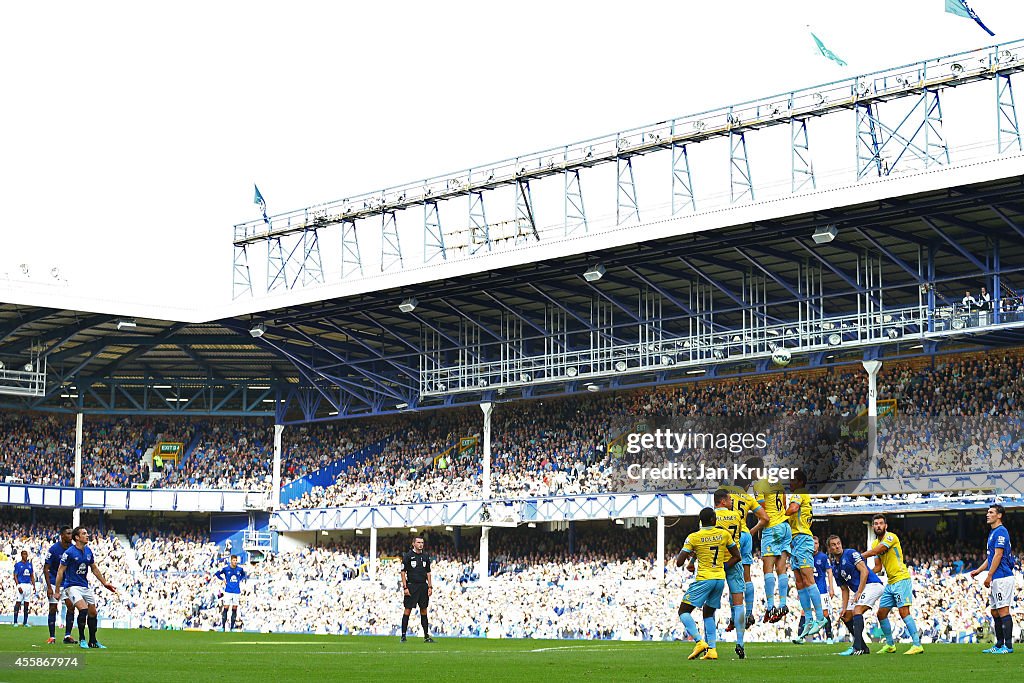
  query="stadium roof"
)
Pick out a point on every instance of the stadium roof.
point(358, 354)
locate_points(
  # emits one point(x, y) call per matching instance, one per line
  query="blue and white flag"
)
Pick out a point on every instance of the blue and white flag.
point(260, 202)
point(827, 52)
point(962, 9)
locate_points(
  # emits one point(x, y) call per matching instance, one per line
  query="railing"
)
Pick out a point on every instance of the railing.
point(170, 500)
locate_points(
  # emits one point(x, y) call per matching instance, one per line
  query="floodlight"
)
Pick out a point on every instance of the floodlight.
point(257, 330)
point(594, 273)
point(126, 323)
point(571, 371)
point(409, 305)
point(620, 366)
point(835, 339)
point(824, 234)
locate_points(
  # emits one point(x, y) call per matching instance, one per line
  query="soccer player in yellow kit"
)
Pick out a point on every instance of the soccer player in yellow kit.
point(899, 592)
point(744, 503)
point(800, 513)
point(776, 541)
point(715, 552)
point(728, 520)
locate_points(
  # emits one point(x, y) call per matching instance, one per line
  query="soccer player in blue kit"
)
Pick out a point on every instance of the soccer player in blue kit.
point(25, 577)
point(999, 580)
point(232, 575)
point(861, 589)
point(73, 575)
point(54, 592)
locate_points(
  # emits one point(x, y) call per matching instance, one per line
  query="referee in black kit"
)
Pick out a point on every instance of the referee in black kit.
point(417, 586)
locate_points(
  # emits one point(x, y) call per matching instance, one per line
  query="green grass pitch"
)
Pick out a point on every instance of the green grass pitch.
point(184, 657)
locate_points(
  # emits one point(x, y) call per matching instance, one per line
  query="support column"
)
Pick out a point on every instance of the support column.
point(275, 475)
point(76, 517)
point(487, 407)
point(659, 564)
point(485, 555)
point(373, 553)
point(872, 367)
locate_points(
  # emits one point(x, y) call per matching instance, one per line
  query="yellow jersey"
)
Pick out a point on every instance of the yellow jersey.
point(801, 521)
point(710, 546)
point(729, 520)
point(742, 502)
point(892, 558)
point(773, 498)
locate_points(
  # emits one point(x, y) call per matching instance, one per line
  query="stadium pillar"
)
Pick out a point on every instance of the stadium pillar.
point(487, 408)
point(275, 476)
point(485, 555)
point(872, 367)
point(76, 516)
point(659, 565)
point(373, 553)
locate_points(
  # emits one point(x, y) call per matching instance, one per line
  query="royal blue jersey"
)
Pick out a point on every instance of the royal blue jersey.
point(232, 578)
point(822, 565)
point(76, 566)
point(23, 572)
point(1000, 538)
point(847, 573)
point(53, 560)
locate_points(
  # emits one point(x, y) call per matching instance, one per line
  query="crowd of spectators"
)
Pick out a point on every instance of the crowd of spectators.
point(956, 414)
point(539, 587)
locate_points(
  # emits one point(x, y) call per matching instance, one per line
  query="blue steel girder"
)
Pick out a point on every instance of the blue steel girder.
point(741, 183)
point(960, 249)
point(518, 314)
point(778, 279)
point(719, 285)
point(390, 246)
point(607, 297)
point(474, 322)
point(626, 205)
point(241, 281)
point(891, 256)
point(589, 326)
point(19, 323)
point(355, 345)
point(399, 337)
point(575, 214)
point(839, 272)
point(1006, 219)
point(682, 180)
point(404, 369)
point(28, 342)
point(868, 147)
point(928, 132)
point(433, 235)
point(802, 169)
point(1008, 134)
point(524, 212)
point(312, 269)
point(669, 296)
point(374, 378)
point(351, 258)
point(200, 361)
point(479, 228)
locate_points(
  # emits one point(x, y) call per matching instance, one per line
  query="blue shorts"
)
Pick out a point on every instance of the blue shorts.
point(899, 594)
point(746, 548)
point(734, 578)
point(776, 540)
point(705, 593)
point(802, 553)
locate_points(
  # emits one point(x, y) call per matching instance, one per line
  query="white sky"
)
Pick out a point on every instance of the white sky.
point(130, 136)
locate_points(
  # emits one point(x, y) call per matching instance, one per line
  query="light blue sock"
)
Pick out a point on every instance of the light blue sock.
point(737, 619)
point(815, 595)
point(783, 589)
point(748, 596)
point(710, 636)
point(805, 600)
point(887, 630)
point(690, 625)
point(912, 630)
point(769, 589)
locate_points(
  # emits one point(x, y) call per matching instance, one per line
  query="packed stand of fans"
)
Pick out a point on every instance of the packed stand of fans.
point(962, 414)
point(605, 588)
